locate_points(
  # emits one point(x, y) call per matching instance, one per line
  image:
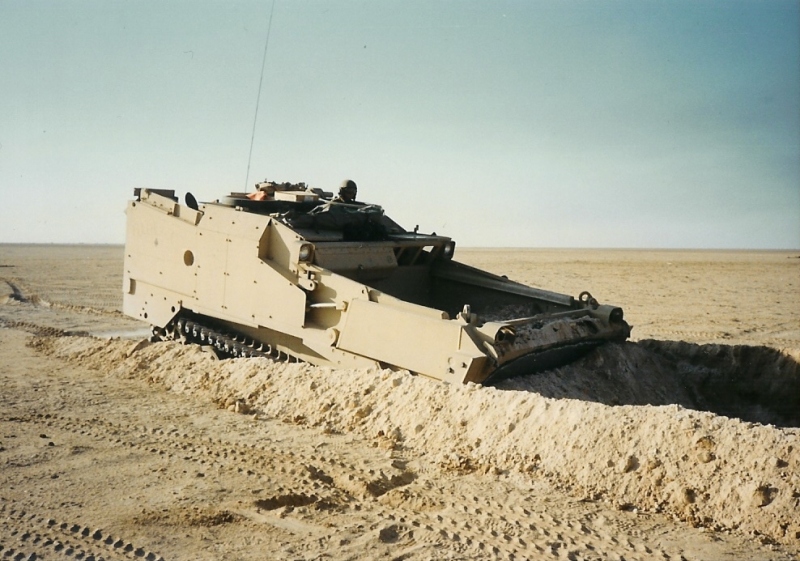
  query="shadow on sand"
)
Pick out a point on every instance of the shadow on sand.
point(754, 384)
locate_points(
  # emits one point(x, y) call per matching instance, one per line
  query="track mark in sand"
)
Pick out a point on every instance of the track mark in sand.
point(279, 501)
point(408, 514)
point(268, 469)
point(331, 481)
point(89, 310)
point(39, 330)
point(27, 534)
point(488, 528)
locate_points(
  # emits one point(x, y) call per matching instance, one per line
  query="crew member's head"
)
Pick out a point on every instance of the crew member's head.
point(348, 191)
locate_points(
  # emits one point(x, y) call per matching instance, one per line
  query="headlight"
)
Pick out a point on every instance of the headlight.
point(306, 252)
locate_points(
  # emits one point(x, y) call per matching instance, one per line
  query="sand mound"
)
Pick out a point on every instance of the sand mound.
point(649, 452)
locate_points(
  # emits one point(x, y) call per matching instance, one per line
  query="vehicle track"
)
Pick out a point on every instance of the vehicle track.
point(471, 524)
point(323, 476)
point(39, 330)
point(28, 534)
point(503, 531)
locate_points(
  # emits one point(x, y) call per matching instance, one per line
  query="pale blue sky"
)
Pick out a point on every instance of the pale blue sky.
point(519, 123)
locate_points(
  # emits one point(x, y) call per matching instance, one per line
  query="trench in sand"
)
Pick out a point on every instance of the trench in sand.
point(752, 383)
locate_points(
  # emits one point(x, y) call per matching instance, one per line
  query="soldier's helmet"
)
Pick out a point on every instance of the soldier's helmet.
point(348, 185)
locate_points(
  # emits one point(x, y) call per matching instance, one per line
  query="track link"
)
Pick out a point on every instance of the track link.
point(225, 343)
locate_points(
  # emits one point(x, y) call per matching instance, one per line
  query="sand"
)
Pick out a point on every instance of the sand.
point(681, 444)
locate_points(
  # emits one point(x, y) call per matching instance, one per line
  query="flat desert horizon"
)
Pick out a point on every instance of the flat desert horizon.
point(680, 444)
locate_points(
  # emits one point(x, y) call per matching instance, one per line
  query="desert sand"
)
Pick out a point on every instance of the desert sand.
point(682, 444)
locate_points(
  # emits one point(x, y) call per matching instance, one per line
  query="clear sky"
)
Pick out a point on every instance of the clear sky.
point(559, 123)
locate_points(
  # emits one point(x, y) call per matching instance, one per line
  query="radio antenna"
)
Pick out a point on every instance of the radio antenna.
point(258, 97)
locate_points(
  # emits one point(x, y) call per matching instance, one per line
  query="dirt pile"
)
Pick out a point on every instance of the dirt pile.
point(620, 429)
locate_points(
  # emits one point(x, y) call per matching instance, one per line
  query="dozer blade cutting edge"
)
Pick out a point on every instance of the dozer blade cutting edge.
point(342, 285)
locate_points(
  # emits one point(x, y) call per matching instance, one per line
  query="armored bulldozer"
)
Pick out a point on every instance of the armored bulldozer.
point(297, 276)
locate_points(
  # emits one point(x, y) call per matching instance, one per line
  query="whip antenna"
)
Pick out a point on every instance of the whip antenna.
point(258, 97)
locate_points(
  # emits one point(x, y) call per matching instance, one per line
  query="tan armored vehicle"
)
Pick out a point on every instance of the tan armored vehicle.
point(295, 276)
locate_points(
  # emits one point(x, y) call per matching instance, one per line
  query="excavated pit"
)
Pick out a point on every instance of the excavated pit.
point(751, 383)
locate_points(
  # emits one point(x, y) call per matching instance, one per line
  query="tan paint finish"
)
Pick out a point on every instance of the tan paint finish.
point(243, 269)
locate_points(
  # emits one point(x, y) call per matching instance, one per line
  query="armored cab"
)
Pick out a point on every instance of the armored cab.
point(300, 277)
